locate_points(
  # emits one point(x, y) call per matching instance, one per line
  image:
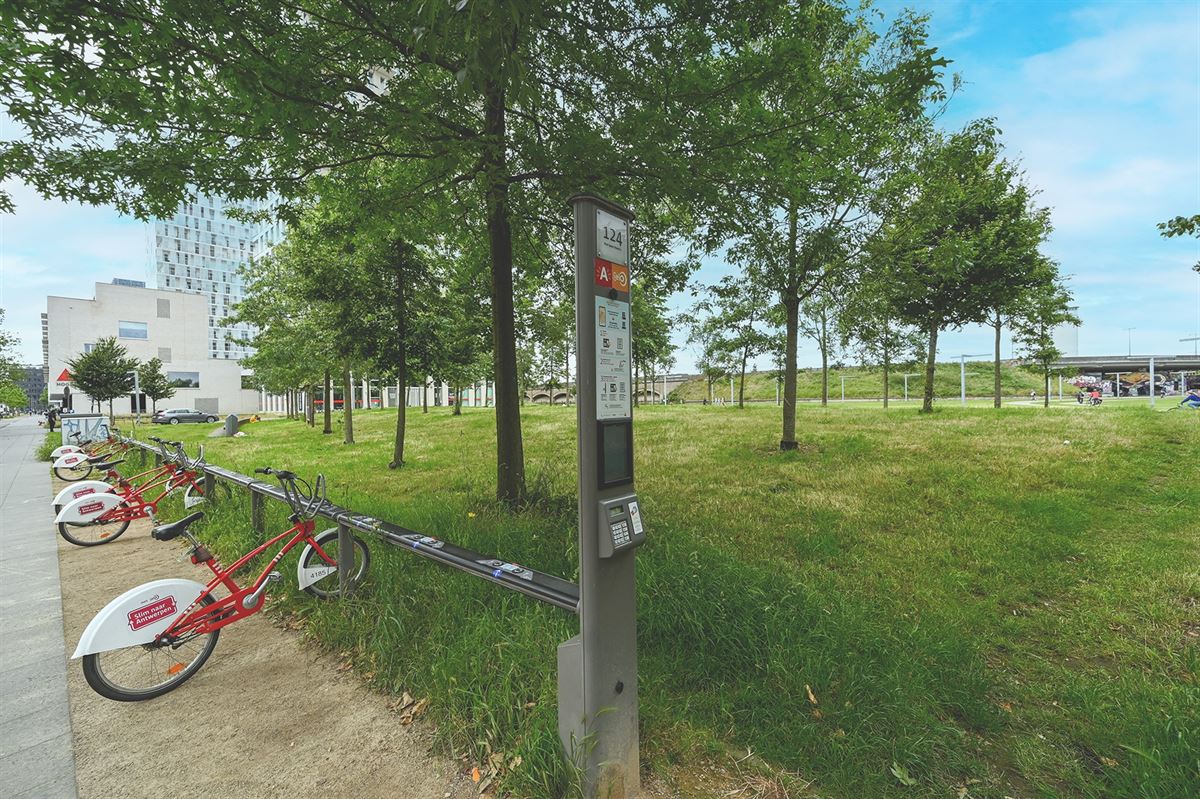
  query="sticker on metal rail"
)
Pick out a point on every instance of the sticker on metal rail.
point(417, 540)
point(500, 568)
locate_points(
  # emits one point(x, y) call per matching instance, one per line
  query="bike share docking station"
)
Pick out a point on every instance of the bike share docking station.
point(597, 669)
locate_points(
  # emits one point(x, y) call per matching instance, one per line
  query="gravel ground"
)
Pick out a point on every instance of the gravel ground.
point(267, 716)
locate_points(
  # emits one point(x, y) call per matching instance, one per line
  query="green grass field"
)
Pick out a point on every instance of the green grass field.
point(973, 603)
point(867, 383)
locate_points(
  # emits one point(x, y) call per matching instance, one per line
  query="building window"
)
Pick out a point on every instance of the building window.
point(164, 309)
point(88, 347)
point(184, 379)
point(164, 354)
point(133, 330)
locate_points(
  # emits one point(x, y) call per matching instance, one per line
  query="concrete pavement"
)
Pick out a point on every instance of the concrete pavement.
point(36, 751)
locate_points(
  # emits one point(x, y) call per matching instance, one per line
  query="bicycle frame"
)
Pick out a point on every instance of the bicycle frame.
point(171, 478)
point(201, 619)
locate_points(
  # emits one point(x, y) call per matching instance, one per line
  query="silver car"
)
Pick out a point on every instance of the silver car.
point(179, 415)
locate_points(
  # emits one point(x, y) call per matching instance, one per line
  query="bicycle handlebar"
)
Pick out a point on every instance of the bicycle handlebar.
point(303, 503)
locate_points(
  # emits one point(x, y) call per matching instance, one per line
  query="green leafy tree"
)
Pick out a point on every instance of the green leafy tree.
point(966, 237)
point(868, 322)
point(652, 348)
point(735, 321)
point(12, 396)
point(1042, 311)
point(498, 109)
point(105, 373)
point(838, 114)
point(154, 383)
point(1181, 226)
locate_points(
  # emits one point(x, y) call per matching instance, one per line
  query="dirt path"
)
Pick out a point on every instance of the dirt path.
point(267, 716)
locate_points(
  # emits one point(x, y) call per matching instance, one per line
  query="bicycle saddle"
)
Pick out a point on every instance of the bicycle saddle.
point(165, 532)
point(108, 464)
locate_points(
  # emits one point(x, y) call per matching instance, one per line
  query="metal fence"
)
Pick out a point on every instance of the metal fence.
point(538, 585)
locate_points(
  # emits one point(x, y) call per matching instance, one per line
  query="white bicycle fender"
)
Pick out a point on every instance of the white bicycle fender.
point(86, 508)
point(64, 450)
point(191, 499)
point(81, 489)
point(137, 616)
point(69, 460)
point(306, 577)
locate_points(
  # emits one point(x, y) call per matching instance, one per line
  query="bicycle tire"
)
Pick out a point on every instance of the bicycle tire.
point(221, 492)
point(330, 587)
point(101, 683)
point(73, 532)
point(71, 474)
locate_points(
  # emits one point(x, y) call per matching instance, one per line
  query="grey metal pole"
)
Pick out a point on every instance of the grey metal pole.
point(1060, 388)
point(137, 400)
point(962, 374)
point(256, 512)
point(597, 670)
point(1151, 381)
point(731, 391)
point(1129, 333)
point(906, 388)
point(345, 559)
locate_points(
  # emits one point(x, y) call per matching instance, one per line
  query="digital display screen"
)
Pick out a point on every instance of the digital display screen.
point(615, 512)
point(616, 453)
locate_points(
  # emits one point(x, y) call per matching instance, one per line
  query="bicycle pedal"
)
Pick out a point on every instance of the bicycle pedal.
point(274, 577)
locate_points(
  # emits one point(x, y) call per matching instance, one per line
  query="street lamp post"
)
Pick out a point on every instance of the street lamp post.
point(911, 374)
point(843, 388)
point(1129, 334)
point(137, 398)
point(962, 373)
point(1195, 344)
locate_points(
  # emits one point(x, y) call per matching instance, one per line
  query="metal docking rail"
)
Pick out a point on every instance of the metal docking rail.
point(538, 585)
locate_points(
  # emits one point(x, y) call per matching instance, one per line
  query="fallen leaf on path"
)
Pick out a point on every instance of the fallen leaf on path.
point(811, 696)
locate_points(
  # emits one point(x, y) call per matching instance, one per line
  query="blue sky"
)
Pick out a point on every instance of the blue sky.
point(1099, 101)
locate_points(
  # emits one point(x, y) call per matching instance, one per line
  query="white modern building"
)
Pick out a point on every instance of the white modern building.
point(199, 250)
point(171, 325)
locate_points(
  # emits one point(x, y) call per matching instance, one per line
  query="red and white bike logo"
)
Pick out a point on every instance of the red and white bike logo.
point(82, 493)
point(151, 613)
point(91, 507)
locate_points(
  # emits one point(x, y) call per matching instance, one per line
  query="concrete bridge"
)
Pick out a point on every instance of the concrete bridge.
point(651, 391)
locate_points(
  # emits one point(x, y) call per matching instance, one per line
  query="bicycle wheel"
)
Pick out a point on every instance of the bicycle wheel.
point(94, 533)
point(145, 671)
point(73, 473)
point(194, 493)
point(330, 586)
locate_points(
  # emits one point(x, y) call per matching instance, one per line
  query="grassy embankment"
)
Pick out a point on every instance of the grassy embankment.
point(867, 383)
point(964, 602)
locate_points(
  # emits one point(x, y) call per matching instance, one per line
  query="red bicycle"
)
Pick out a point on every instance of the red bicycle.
point(151, 639)
point(101, 518)
point(112, 481)
point(74, 462)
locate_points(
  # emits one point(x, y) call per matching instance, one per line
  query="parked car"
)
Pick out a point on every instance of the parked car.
point(178, 415)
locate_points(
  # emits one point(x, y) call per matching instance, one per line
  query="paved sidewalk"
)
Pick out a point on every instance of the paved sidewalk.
point(36, 753)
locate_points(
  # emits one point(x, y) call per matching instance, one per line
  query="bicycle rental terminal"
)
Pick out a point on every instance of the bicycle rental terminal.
point(597, 669)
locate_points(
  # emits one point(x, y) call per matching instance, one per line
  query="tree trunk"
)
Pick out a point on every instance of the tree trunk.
point(510, 455)
point(425, 395)
point(886, 368)
point(996, 398)
point(401, 301)
point(791, 304)
point(348, 403)
point(930, 361)
point(328, 404)
point(637, 381)
point(1046, 397)
point(112, 422)
point(742, 381)
point(824, 361)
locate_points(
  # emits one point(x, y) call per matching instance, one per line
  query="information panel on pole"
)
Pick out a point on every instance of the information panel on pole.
point(598, 681)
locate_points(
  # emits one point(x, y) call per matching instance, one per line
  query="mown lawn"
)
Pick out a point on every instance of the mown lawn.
point(977, 603)
point(867, 383)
